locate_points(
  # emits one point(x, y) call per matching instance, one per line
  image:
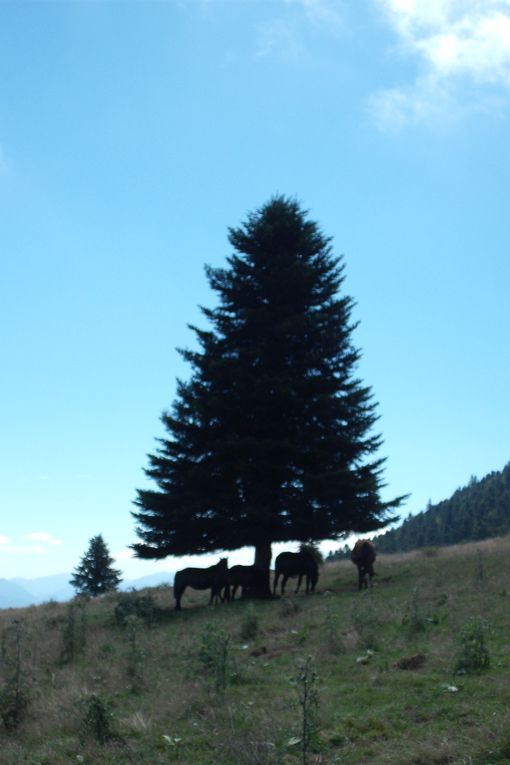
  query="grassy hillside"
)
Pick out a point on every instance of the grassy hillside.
point(373, 676)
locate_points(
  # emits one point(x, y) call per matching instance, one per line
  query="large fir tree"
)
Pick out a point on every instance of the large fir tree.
point(271, 439)
point(95, 574)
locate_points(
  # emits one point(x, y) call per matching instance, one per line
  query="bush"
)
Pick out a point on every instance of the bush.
point(97, 720)
point(14, 690)
point(473, 654)
point(249, 624)
point(133, 604)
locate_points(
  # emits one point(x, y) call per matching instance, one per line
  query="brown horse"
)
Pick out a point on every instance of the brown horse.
point(250, 578)
point(363, 556)
point(213, 578)
point(300, 564)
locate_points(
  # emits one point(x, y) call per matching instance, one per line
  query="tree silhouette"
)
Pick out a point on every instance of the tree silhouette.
point(271, 438)
point(95, 575)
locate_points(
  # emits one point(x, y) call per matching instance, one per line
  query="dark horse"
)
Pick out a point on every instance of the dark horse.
point(363, 556)
point(299, 564)
point(250, 578)
point(213, 578)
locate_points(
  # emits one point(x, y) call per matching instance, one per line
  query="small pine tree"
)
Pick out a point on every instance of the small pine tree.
point(95, 575)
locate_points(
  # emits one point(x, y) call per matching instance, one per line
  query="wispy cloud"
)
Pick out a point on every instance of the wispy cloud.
point(285, 35)
point(40, 543)
point(327, 13)
point(278, 38)
point(43, 537)
point(455, 43)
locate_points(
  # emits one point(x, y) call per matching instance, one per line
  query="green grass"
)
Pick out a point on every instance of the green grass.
point(197, 687)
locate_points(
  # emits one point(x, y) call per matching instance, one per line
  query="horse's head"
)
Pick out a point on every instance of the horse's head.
point(223, 564)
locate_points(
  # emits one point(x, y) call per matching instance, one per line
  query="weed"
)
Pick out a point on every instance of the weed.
point(305, 683)
point(97, 720)
point(73, 632)
point(214, 655)
point(413, 620)
point(479, 568)
point(289, 607)
point(250, 737)
point(14, 690)
point(429, 552)
point(331, 629)
point(135, 654)
point(473, 654)
point(249, 624)
point(366, 621)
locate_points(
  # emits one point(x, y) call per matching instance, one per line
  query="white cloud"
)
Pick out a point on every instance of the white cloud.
point(40, 544)
point(455, 42)
point(44, 537)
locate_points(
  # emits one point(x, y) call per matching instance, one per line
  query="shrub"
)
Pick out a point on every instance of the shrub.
point(249, 624)
point(473, 653)
point(97, 720)
point(14, 691)
point(134, 604)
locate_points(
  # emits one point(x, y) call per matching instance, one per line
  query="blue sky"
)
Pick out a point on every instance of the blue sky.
point(132, 134)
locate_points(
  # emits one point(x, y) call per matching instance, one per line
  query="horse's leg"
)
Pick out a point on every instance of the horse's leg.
point(284, 582)
point(275, 583)
point(300, 577)
point(178, 593)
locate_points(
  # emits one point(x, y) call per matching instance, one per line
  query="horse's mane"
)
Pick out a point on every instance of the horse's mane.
point(312, 551)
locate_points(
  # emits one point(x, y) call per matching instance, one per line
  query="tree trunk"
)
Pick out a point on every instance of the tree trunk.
point(263, 555)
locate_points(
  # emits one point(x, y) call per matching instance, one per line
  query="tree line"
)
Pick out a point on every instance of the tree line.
point(477, 511)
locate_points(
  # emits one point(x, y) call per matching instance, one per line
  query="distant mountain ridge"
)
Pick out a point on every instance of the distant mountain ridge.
point(477, 511)
point(20, 592)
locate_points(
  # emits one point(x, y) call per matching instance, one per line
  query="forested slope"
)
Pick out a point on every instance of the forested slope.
point(478, 511)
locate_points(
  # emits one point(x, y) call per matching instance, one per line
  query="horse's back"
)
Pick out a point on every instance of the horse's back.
point(198, 578)
point(363, 553)
point(294, 564)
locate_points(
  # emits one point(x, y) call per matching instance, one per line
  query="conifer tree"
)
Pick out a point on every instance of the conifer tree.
point(95, 574)
point(271, 439)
